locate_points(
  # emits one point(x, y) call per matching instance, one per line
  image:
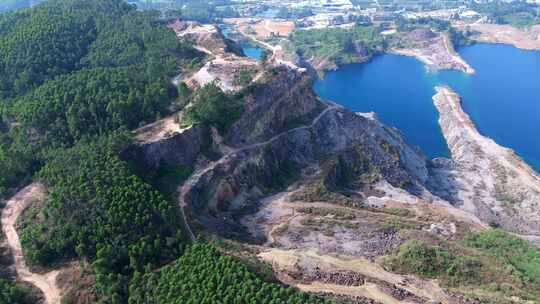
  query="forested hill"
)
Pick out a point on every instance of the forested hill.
point(73, 69)
point(76, 76)
point(60, 37)
point(74, 72)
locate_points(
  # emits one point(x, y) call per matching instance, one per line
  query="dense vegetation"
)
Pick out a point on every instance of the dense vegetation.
point(337, 45)
point(214, 108)
point(513, 251)
point(73, 69)
point(205, 11)
point(74, 73)
point(98, 210)
point(92, 102)
point(490, 266)
point(202, 275)
point(78, 75)
point(518, 13)
point(405, 24)
point(11, 293)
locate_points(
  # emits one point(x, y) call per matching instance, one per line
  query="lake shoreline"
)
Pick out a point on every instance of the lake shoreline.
point(488, 180)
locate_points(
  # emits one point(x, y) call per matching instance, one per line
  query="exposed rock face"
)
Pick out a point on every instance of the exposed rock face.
point(176, 149)
point(484, 178)
point(205, 37)
point(282, 102)
point(225, 60)
point(346, 278)
point(288, 139)
point(286, 129)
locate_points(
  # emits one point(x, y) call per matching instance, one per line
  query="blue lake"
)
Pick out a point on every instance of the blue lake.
point(502, 98)
point(250, 50)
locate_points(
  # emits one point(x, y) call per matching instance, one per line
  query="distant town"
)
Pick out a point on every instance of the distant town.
point(306, 14)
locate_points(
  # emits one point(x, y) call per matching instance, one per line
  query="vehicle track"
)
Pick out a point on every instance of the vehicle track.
point(196, 177)
point(46, 282)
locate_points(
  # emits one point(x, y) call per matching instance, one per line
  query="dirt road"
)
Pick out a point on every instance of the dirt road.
point(14, 207)
point(196, 177)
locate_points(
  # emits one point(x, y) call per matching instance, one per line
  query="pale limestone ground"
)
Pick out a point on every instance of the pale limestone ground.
point(158, 130)
point(488, 180)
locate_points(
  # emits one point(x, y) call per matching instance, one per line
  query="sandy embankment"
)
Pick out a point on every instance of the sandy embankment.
point(46, 282)
point(489, 180)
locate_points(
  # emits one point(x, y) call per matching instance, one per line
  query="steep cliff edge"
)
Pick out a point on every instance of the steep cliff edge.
point(269, 150)
point(485, 179)
point(330, 197)
point(315, 189)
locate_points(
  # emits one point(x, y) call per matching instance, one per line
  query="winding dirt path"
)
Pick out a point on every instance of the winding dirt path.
point(196, 177)
point(14, 207)
point(290, 261)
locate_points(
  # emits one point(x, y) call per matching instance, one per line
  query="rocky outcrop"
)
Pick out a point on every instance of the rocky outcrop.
point(285, 130)
point(282, 101)
point(484, 178)
point(180, 148)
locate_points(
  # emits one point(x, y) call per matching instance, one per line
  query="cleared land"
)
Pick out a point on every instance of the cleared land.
point(507, 34)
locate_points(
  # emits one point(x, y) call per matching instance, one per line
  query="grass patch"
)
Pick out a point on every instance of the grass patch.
point(398, 225)
point(512, 251)
point(397, 211)
point(429, 261)
point(491, 266)
point(336, 213)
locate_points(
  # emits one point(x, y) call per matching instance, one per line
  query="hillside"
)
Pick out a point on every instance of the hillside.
point(430, 41)
point(149, 162)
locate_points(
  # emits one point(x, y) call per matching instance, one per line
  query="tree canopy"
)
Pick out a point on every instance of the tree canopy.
point(203, 275)
point(74, 69)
